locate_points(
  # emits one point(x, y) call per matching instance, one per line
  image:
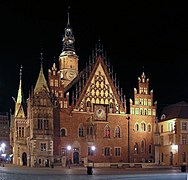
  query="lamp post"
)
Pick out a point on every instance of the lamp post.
point(68, 154)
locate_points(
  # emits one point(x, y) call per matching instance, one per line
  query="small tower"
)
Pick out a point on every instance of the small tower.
point(68, 60)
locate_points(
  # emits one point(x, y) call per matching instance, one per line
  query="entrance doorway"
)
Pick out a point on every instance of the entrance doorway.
point(24, 159)
point(76, 157)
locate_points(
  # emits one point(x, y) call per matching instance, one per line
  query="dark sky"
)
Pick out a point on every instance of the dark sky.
point(135, 34)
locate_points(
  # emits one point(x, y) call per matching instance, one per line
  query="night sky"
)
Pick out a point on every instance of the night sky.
point(136, 35)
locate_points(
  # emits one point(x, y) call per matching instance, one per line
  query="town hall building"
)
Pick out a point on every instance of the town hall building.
point(82, 115)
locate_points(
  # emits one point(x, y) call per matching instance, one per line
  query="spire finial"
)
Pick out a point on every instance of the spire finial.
point(21, 72)
point(68, 21)
point(41, 57)
point(143, 68)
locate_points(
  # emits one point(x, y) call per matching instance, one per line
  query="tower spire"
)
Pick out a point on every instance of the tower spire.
point(19, 97)
point(19, 102)
point(68, 38)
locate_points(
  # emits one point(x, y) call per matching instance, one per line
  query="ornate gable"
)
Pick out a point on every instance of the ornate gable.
point(99, 89)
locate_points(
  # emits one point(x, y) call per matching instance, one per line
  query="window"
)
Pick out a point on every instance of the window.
point(43, 146)
point(107, 132)
point(117, 151)
point(136, 148)
point(90, 130)
point(150, 149)
point(136, 101)
point(184, 139)
point(65, 104)
point(63, 132)
point(184, 157)
point(162, 129)
point(141, 90)
point(132, 110)
point(184, 125)
point(142, 146)
point(46, 124)
point(145, 102)
point(145, 91)
point(136, 127)
point(107, 151)
point(117, 132)
point(137, 110)
point(149, 112)
point(39, 123)
point(81, 131)
point(149, 127)
point(141, 102)
point(149, 102)
point(143, 126)
point(171, 139)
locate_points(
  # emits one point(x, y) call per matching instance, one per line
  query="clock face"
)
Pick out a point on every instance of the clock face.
point(100, 112)
point(71, 75)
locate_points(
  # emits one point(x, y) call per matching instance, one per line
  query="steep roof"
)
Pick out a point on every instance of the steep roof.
point(178, 110)
point(41, 82)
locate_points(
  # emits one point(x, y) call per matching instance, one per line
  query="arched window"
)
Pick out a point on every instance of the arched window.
point(136, 127)
point(107, 131)
point(90, 130)
point(81, 131)
point(63, 132)
point(149, 128)
point(117, 132)
point(143, 126)
point(136, 148)
point(142, 146)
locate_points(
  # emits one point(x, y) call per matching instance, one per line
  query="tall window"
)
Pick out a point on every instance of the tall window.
point(63, 132)
point(117, 132)
point(39, 123)
point(184, 139)
point(136, 148)
point(162, 129)
point(143, 126)
point(90, 130)
point(136, 127)
point(150, 149)
point(107, 131)
point(161, 140)
point(184, 125)
point(171, 139)
point(81, 131)
point(184, 157)
point(46, 124)
point(142, 146)
point(107, 151)
point(117, 151)
point(149, 127)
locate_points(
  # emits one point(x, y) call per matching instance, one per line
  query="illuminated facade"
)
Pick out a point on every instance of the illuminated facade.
point(82, 115)
point(173, 128)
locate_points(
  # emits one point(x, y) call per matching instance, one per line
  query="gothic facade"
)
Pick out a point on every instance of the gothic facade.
point(82, 115)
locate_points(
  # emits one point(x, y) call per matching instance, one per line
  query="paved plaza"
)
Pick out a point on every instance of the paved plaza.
point(11, 172)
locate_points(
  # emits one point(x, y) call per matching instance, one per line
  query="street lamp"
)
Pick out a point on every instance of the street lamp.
point(69, 159)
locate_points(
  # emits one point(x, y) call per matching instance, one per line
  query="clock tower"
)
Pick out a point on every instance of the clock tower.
point(68, 60)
